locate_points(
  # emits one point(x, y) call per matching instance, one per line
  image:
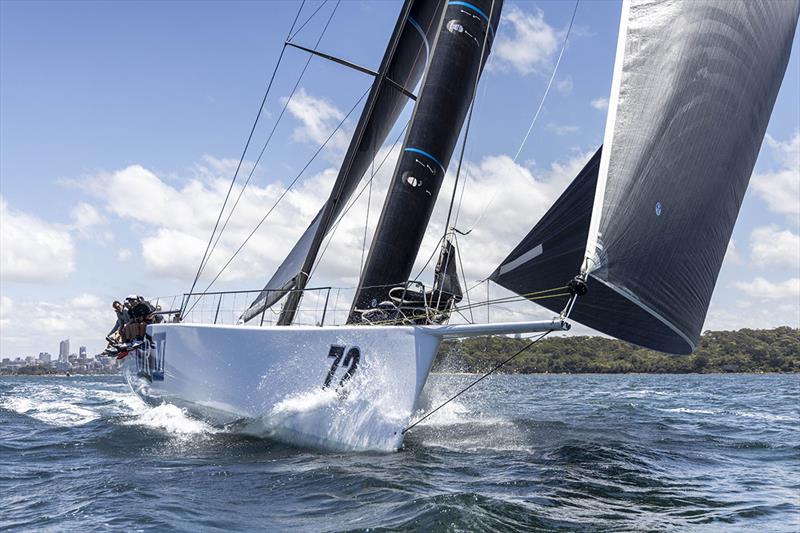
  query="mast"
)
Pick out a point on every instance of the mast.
point(459, 53)
point(293, 300)
point(400, 70)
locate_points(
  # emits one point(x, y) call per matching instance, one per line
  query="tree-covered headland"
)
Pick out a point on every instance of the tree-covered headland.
point(745, 350)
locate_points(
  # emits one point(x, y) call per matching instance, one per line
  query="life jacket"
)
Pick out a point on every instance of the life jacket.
point(141, 310)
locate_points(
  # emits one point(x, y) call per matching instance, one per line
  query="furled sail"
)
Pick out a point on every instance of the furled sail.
point(693, 89)
point(463, 42)
point(403, 63)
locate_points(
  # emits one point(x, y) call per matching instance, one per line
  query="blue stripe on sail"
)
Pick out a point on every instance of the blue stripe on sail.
point(417, 27)
point(476, 9)
point(426, 154)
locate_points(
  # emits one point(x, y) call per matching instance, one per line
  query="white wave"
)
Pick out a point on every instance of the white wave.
point(766, 416)
point(122, 403)
point(171, 419)
point(688, 411)
point(360, 418)
point(455, 412)
point(50, 410)
point(644, 393)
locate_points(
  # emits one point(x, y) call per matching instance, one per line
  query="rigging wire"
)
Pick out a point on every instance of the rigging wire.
point(284, 193)
point(274, 127)
point(479, 114)
point(366, 218)
point(550, 82)
point(303, 25)
point(464, 277)
point(535, 116)
point(352, 202)
point(203, 261)
point(497, 367)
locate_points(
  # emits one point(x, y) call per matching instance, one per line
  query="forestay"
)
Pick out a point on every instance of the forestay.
point(693, 89)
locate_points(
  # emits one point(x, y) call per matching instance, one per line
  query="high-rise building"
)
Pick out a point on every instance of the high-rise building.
point(82, 352)
point(63, 350)
point(44, 357)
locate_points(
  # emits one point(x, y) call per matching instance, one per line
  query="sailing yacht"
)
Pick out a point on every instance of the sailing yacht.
point(632, 248)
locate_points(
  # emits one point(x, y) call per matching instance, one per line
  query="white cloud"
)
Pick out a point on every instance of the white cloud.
point(781, 189)
point(766, 290)
point(318, 118)
point(31, 249)
point(560, 130)
point(173, 222)
point(124, 254)
point(211, 167)
point(85, 216)
point(750, 314)
point(37, 325)
point(6, 305)
point(88, 223)
point(566, 85)
point(772, 246)
point(86, 301)
point(732, 255)
point(525, 43)
point(600, 104)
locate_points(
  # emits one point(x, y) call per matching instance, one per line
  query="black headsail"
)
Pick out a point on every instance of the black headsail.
point(402, 66)
point(439, 113)
point(693, 89)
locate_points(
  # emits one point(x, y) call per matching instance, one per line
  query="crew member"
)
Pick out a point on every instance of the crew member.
point(122, 319)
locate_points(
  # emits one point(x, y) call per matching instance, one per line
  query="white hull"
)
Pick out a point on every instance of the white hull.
point(269, 381)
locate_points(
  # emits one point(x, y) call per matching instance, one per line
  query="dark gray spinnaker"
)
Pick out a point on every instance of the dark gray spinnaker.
point(693, 89)
point(439, 113)
point(403, 63)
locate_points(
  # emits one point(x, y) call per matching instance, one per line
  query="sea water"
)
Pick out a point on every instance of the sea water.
point(626, 452)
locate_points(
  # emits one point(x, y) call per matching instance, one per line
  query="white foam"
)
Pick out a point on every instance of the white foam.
point(454, 413)
point(171, 419)
point(766, 416)
point(50, 410)
point(689, 411)
point(362, 416)
point(643, 393)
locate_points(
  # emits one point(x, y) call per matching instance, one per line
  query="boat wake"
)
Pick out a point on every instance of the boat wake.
point(79, 404)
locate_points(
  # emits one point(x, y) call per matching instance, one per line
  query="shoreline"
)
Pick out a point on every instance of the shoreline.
point(446, 373)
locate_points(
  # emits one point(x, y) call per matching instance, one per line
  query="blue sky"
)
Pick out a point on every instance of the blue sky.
point(120, 126)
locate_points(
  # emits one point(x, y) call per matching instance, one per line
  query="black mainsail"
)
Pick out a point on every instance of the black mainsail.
point(439, 113)
point(694, 86)
point(403, 64)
